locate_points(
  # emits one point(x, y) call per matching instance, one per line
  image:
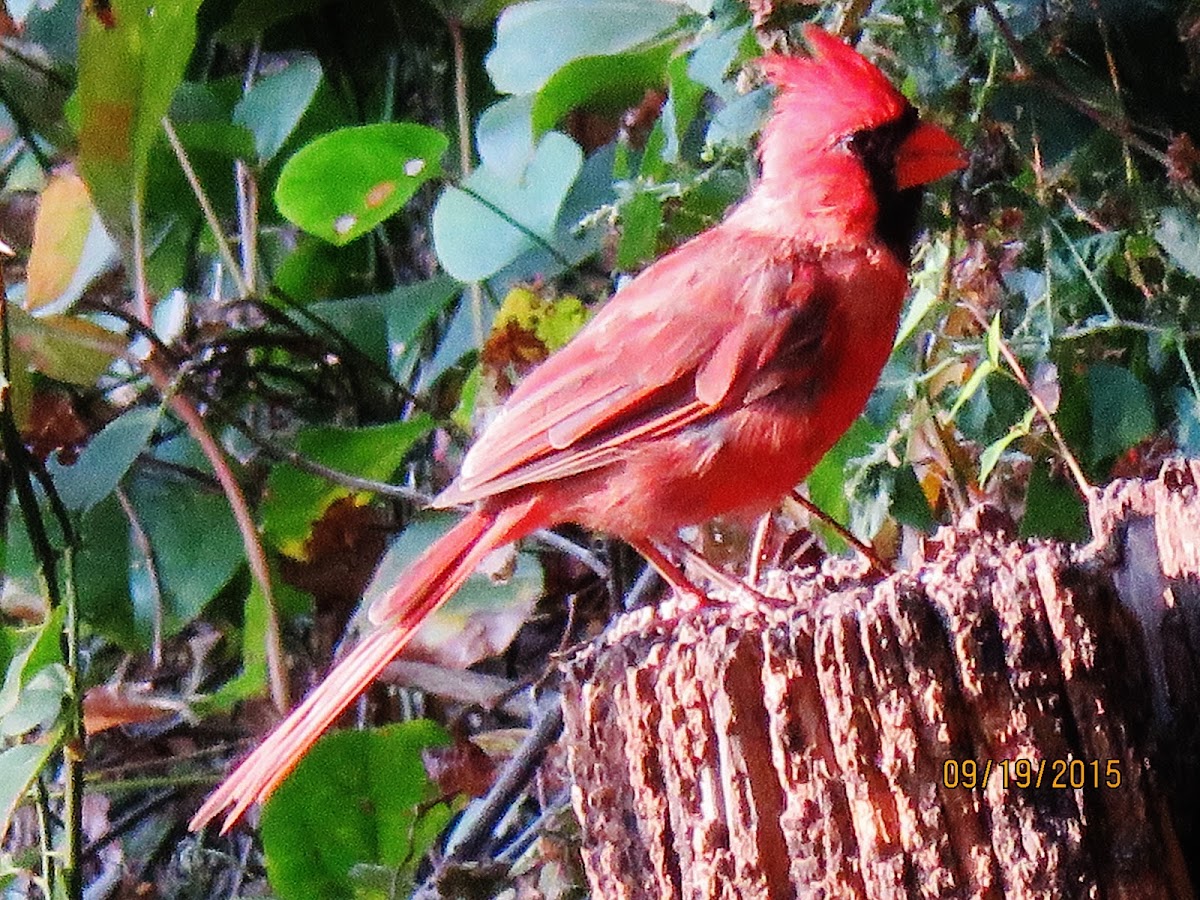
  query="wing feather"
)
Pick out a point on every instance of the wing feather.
point(655, 360)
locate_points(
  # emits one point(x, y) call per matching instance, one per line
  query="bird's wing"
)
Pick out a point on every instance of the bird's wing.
point(690, 335)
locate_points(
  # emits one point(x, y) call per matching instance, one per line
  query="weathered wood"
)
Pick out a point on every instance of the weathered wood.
point(1005, 719)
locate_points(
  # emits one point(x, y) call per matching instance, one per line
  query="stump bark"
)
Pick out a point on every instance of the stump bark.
point(1004, 719)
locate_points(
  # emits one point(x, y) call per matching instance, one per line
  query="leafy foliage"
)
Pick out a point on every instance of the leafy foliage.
point(275, 262)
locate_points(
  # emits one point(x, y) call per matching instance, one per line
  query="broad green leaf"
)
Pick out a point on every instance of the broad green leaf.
point(481, 619)
point(295, 500)
point(19, 765)
point(197, 547)
point(605, 83)
point(42, 650)
point(275, 104)
point(711, 63)
point(70, 246)
point(475, 238)
point(64, 348)
point(827, 482)
point(1179, 235)
point(102, 575)
point(343, 184)
point(1053, 507)
point(39, 704)
point(504, 136)
point(1122, 410)
point(106, 458)
point(385, 327)
point(252, 680)
point(317, 270)
point(536, 39)
point(739, 120)
point(127, 75)
point(357, 797)
point(992, 453)
point(641, 219)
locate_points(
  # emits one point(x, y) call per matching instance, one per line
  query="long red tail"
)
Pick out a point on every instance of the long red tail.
point(427, 584)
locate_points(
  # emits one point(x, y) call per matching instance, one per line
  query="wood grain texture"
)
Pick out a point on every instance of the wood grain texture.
point(823, 748)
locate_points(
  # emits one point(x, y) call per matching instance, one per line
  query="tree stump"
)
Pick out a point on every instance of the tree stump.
point(1004, 719)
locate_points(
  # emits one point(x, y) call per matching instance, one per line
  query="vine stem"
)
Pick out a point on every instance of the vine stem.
point(463, 114)
point(187, 412)
point(1085, 487)
point(23, 467)
point(210, 214)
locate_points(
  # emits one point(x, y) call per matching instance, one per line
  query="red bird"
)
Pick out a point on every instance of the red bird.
point(710, 385)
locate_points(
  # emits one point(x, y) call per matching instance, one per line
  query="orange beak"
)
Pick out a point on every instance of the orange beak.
point(926, 155)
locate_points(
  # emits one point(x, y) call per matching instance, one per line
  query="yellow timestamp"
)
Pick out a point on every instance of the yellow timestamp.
point(1054, 774)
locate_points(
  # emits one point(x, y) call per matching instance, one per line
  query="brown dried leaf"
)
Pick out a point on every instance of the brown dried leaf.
point(109, 706)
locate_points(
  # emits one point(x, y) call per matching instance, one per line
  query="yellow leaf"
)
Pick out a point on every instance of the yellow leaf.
point(60, 231)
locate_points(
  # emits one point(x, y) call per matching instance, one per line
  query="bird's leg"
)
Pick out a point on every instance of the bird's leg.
point(759, 546)
point(731, 584)
point(669, 572)
point(846, 534)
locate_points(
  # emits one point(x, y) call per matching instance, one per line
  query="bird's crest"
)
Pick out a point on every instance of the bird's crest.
point(835, 90)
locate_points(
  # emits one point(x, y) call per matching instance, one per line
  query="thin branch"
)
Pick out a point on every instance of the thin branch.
point(187, 413)
point(210, 215)
point(844, 533)
point(513, 781)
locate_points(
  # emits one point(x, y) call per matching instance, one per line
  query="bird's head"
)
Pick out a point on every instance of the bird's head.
point(839, 126)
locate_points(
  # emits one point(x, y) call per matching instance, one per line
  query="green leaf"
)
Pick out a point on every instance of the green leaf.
point(504, 136)
point(106, 458)
point(481, 619)
point(827, 481)
point(70, 246)
point(1053, 507)
point(641, 219)
point(64, 348)
point(19, 765)
point(475, 239)
point(42, 652)
point(39, 704)
point(296, 500)
point(992, 453)
point(978, 377)
point(354, 799)
point(1179, 235)
point(343, 184)
point(927, 282)
point(536, 39)
point(385, 327)
point(604, 83)
point(102, 575)
point(993, 341)
point(252, 680)
point(1122, 410)
point(275, 104)
point(739, 120)
point(683, 102)
point(197, 547)
point(127, 75)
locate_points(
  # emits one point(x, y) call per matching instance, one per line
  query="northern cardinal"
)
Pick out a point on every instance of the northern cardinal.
point(710, 385)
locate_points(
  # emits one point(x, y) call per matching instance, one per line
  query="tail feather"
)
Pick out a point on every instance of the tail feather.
point(429, 583)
